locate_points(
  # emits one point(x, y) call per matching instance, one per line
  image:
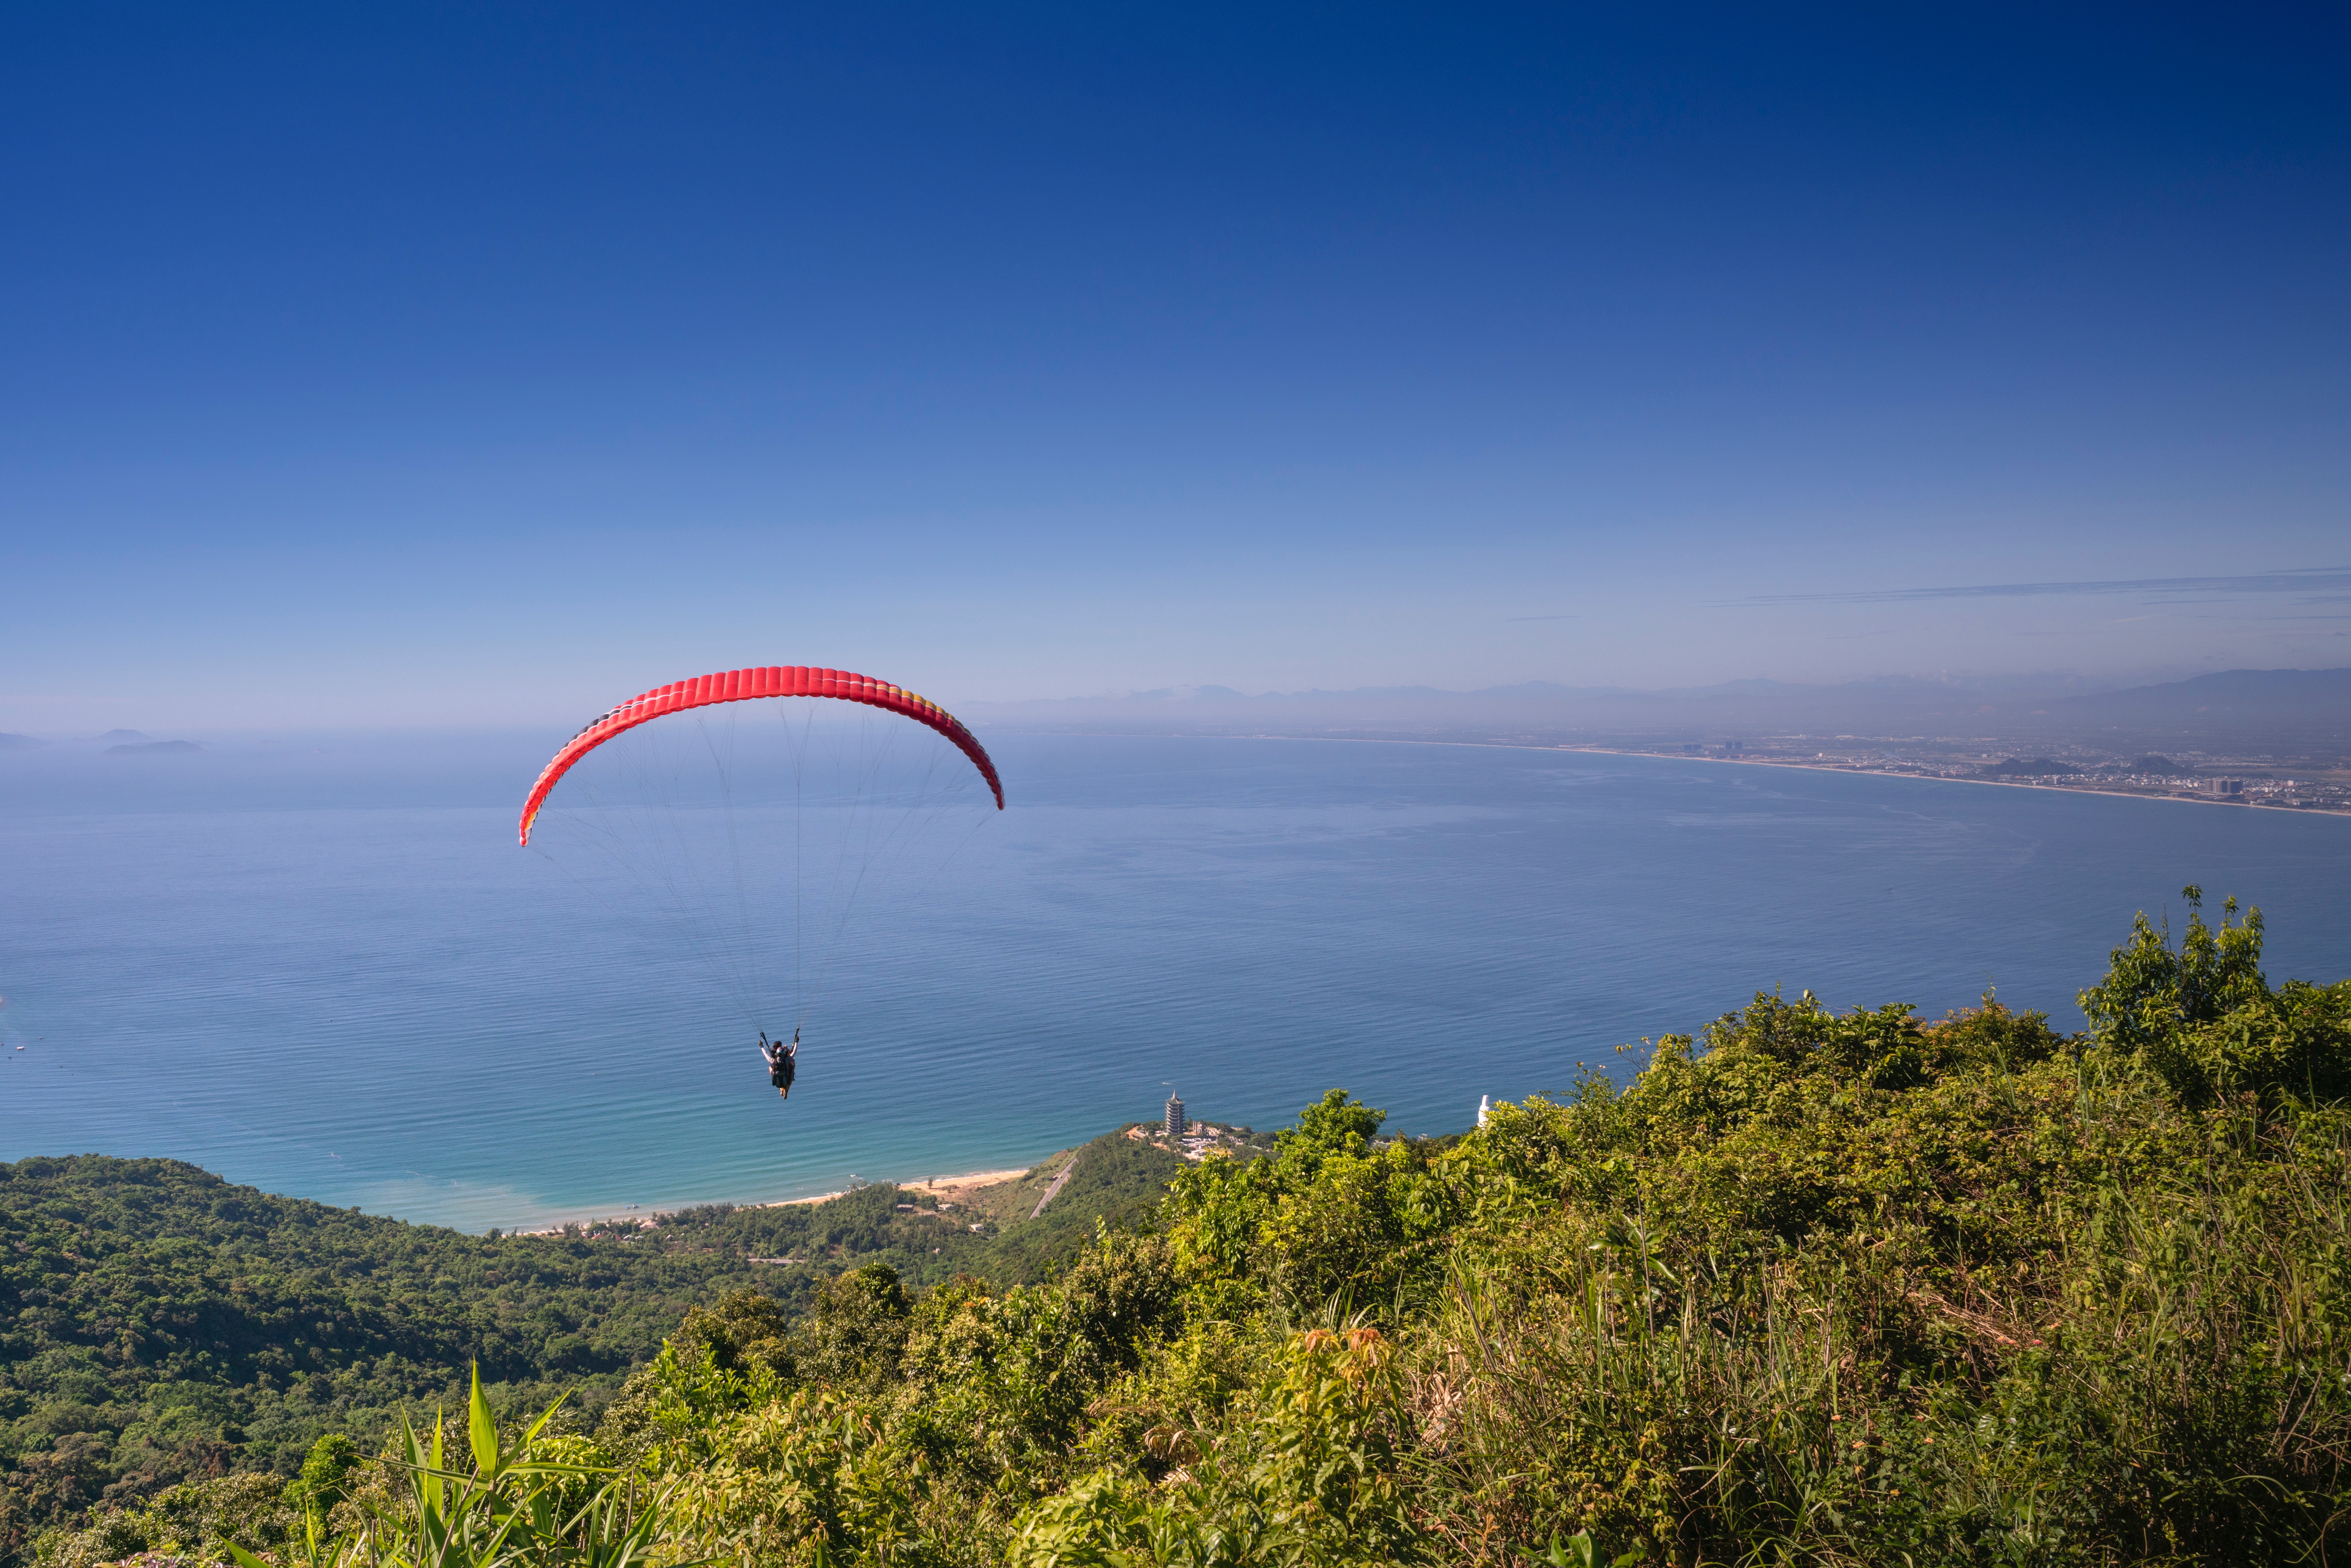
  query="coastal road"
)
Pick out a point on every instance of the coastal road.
point(1054, 1191)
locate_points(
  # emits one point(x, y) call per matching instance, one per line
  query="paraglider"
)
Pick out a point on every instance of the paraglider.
point(783, 1062)
point(746, 685)
point(757, 842)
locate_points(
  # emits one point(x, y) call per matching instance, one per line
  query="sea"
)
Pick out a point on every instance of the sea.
point(322, 965)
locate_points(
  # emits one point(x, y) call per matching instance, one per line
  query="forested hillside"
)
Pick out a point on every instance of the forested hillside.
point(1823, 1287)
point(158, 1324)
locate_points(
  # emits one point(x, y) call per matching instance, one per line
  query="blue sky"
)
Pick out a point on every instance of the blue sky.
point(481, 364)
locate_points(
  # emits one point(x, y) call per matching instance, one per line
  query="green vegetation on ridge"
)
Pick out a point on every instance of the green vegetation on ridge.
point(1836, 1289)
point(159, 1326)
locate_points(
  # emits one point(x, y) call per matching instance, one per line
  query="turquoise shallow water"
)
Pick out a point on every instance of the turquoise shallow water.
point(330, 973)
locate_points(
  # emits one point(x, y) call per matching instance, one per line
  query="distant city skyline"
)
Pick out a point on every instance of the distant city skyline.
point(478, 368)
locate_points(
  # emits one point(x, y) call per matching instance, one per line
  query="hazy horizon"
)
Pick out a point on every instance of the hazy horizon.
point(2302, 708)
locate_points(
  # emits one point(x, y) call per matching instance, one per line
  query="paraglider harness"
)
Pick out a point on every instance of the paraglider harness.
point(782, 1061)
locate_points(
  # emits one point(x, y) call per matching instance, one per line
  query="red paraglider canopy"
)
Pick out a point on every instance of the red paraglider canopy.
point(744, 685)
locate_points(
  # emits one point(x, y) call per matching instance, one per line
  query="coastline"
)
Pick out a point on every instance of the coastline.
point(955, 1188)
point(1599, 751)
point(1928, 778)
point(2184, 800)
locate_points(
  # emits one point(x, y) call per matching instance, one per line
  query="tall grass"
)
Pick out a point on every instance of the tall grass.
point(2173, 1385)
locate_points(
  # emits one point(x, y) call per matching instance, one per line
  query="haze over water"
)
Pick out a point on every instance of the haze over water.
point(364, 994)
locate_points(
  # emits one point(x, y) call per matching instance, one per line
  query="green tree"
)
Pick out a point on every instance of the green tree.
point(1337, 1124)
point(2152, 991)
point(856, 1329)
point(745, 1329)
point(326, 1475)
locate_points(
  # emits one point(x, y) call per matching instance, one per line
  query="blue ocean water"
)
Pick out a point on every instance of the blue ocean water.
point(328, 971)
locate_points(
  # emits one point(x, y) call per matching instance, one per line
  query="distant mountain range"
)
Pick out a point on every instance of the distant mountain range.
point(2270, 708)
point(2314, 700)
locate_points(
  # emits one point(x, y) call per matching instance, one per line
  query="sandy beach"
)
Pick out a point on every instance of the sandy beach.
point(956, 1188)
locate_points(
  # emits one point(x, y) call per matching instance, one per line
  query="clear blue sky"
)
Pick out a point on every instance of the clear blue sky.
point(485, 364)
